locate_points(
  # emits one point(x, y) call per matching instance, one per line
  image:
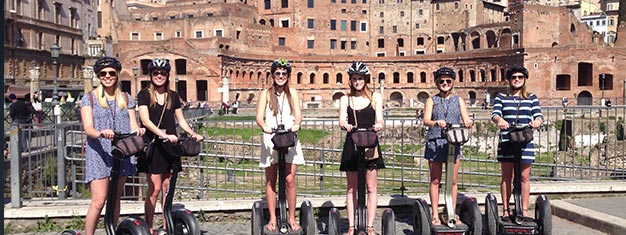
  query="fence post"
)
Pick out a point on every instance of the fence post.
point(60, 133)
point(15, 153)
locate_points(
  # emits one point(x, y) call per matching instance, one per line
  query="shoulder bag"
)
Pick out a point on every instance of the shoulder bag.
point(283, 140)
point(520, 135)
point(367, 140)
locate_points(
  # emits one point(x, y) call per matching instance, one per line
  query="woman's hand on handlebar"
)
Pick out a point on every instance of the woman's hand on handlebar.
point(171, 138)
point(348, 127)
point(468, 123)
point(295, 128)
point(503, 124)
point(140, 131)
point(197, 137)
point(377, 127)
point(267, 129)
point(440, 123)
point(107, 133)
point(535, 123)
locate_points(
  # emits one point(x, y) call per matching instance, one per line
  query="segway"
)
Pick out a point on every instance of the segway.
point(388, 218)
point(129, 226)
point(307, 221)
point(469, 213)
point(181, 221)
point(516, 223)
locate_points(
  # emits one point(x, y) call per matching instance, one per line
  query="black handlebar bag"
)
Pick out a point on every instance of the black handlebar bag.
point(284, 140)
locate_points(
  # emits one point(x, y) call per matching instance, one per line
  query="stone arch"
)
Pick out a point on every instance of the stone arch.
point(312, 78)
point(262, 22)
point(423, 78)
point(472, 98)
point(299, 78)
point(572, 28)
point(584, 98)
point(422, 96)
point(460, 75)
point(396, 77)
point(251, 96)
point(410, 77)
point(336, 98)
point(325, 78)
point(458, 39)
point(169, 14)
point(505, 38)
point(555, 44)
point(492, 39)
point(339, 78)
point(381, 75)
point(475, 40)
point(259, 77)
point(396, 98)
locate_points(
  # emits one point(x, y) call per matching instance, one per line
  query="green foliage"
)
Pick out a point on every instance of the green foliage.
point(46, 225)
point(201, 216)
point(231, 118)
point(77, 223)
point(602, 126)
point(306, 136)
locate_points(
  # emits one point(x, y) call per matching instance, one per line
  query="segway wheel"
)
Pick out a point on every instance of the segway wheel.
point(70, 232)
point(185, 223)
point(333, 221)
point(491, 214)
point(257, 219)
point(389, 222)
point(421, 217)
point(470, 215)
point(307, 221)
point(132, 226)
point(543, 215)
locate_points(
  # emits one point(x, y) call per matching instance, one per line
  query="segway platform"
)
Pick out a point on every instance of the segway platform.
point(282, 230)
point(529, 226)
point(460, 229)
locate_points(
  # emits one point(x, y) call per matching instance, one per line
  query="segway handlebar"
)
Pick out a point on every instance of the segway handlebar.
point(119, 135)
point(363, 129)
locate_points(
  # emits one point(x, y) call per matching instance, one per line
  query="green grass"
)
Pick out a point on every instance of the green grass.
point(306, 136)
point(231, 118)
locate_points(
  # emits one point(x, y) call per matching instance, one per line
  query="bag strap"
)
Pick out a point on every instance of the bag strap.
point(517, 112)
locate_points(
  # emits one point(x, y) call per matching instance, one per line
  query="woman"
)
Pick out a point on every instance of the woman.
point(369, 109)
point(518, 107)
point(440, 110)
point(103, 111)
point(279, 105)
point(159, 110)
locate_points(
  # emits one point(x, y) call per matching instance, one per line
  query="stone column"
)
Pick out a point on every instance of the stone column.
point(34, 81)
point(89, 79)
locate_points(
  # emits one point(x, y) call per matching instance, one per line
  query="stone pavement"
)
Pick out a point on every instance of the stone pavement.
point(592, 215)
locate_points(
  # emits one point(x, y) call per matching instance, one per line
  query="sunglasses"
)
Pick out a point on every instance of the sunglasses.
point(520, 77)
point(155, 73)
point(278, 74)
point(442, 81)
point(104, 73)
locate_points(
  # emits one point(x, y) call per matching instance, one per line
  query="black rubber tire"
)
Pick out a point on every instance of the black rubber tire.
point(421, 217)
point(257, 219)
point(470, 215)
point(70, 232)
point(333, 221)
point(185, 223)
point(307, 221)
point(132, 226)
point(389, 222)
point(491, 214)
point(543, 215)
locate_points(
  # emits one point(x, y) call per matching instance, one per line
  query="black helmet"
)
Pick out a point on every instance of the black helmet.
point(444, 71)
point(281, 63)
point(107, 62)
point(159, 63)
point(516, 69)
point(360, 68)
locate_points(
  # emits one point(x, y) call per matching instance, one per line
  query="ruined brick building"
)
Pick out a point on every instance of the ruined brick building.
point(221, 50)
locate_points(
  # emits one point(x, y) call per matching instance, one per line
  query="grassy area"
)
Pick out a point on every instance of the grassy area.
point(306, 136)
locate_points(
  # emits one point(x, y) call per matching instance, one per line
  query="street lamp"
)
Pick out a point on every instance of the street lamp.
point(135, 72)
point(602, 87)
point(176, 84)
point(54, 52)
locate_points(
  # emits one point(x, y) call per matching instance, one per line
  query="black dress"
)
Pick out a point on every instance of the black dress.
point(366, 118)
point(160, 162)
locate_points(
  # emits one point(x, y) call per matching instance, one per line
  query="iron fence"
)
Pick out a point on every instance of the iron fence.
point(577, 143)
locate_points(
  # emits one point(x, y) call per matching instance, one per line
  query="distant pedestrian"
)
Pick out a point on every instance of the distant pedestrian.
point(387, 111)
point(21, 114)
point(235, 106)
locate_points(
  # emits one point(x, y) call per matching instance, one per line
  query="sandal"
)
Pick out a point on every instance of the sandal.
point(370, 230)
point(350, 230)
point(458, 220)
point(295, 226)
point(435, 221)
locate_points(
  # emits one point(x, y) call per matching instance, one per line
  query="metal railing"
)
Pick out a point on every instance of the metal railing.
point(577, 143)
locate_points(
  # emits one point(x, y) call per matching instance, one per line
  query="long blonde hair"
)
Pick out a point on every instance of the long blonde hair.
point(274, 97)
point(118, 94)
point(524, 94)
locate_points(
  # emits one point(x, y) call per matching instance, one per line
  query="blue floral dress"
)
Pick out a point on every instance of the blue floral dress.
point(98, 151)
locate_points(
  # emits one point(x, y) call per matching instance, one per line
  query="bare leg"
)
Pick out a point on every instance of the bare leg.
point(433, 190)
point(270, 194)
point(154, 187)
point(371, 178)
point(525, 187)
point(506, 185)
point(165, 183)
point(98, 198)
point(351, 195)
point(291, 195)
point(120, 190)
